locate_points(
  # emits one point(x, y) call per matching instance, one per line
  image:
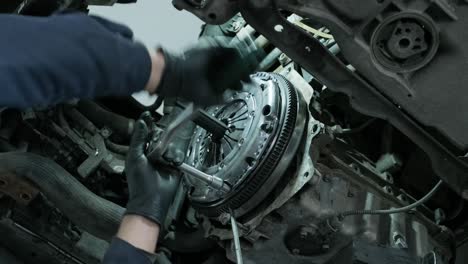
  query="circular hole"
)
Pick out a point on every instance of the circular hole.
point(212, 16)
point(279, 28)
point(25, 196)
point(315, 128)
point(404, 43)
point(410, 95)
point(3, 183)
point(232, 128)
point(306, 174)
point(266, 110)
point(250, 161)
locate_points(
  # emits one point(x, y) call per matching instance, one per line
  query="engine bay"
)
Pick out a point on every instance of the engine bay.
point(344, 123)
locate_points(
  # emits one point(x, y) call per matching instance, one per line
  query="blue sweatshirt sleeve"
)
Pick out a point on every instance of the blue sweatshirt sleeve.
point(121, 252)
point(46, 60)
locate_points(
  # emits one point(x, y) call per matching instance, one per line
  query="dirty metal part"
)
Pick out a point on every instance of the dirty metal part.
point(291, 232)
point(19, 189)
point(160, 143)
point(405, 42)
point(256, 150)
point(364, 97)
point(210, 11)
point(162, 136)
point(306, 171)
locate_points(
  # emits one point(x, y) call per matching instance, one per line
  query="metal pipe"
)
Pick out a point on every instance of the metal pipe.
point(237, 246)
point(269, 60)
point(212, 181)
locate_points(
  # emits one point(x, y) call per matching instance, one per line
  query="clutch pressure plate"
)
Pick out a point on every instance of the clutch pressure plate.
point(265, 121)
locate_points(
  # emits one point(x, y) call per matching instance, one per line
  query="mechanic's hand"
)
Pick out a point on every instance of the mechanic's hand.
point(151, 191)
point(203, 73)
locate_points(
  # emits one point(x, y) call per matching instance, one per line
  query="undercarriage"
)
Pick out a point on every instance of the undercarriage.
point(347, 146)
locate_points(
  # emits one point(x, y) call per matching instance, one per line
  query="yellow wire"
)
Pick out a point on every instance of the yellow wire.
point(313, 30)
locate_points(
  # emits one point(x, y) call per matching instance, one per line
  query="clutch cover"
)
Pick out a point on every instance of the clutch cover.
point(265, 120)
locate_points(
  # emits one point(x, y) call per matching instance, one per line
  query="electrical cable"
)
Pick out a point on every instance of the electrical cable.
point(313, 30)
point(394, 210)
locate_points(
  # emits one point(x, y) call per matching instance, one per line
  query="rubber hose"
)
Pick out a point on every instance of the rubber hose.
point(102, 117)
point(85, 209)
point(117, 148)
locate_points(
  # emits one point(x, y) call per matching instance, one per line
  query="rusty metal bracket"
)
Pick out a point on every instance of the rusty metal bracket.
point(17, 188)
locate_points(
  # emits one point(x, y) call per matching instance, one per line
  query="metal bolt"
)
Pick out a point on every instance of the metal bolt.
point(267, 127)
point(105, 133)
point(224, 218)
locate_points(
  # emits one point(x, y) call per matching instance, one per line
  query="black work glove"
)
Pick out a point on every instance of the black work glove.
point(202, 73)
point(151, 190)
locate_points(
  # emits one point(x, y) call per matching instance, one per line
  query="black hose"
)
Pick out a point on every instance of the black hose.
point(85, 209)
point(117, 148)
point(102, 117)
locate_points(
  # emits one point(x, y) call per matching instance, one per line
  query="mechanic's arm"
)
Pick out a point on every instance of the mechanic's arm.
point(151, 193)
point(47, 60)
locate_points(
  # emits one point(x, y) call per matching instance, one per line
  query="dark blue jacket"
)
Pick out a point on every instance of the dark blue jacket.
point(46, 60)
point(121, 252)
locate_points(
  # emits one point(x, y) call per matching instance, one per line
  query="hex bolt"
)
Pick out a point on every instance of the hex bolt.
point(267, 127)
point(105, 132)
